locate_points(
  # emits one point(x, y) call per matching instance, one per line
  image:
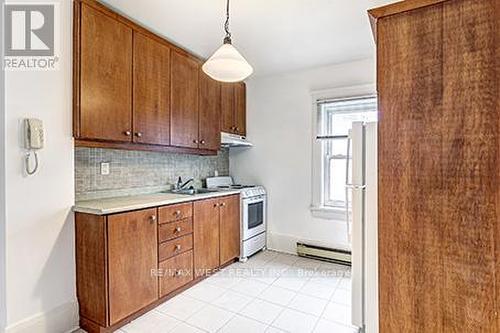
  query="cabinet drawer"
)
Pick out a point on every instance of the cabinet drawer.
point(176, 272)
point(173, 230)
point(175, 246)
point(175, 212)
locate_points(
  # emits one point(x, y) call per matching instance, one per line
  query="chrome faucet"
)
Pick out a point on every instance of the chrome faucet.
point(180, 185)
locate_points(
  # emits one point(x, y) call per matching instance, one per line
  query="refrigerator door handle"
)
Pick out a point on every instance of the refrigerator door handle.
point(355, 186)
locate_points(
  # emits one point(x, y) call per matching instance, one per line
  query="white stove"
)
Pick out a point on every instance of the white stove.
point(253, 200)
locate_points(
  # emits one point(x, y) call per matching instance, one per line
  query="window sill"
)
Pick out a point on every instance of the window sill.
point(328, 213)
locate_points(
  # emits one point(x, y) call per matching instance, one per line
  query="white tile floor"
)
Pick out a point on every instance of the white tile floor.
point(271, 293)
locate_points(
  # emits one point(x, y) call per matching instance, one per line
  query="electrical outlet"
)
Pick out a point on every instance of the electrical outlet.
point(105, 168)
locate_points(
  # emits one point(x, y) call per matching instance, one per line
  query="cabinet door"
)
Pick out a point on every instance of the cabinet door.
point(184, 99)
point(227, 107)
point(151, 91)
point(105, 77)
point(240, 109)
point(206, 236)
point(132, 255)
point(229, 228)
point(209, 108)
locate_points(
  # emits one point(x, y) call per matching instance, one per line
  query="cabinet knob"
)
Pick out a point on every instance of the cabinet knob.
point(177, 247)
point(216, 205)
point(223, 204)
point(178, 229)
point(177, 213)
point(127, 133)
point(195, 141)
point(237, 129)
point(138, 134)
point(152, 218)
point(202, 142)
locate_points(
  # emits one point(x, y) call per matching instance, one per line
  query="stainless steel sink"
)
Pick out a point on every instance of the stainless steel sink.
point(192, 191)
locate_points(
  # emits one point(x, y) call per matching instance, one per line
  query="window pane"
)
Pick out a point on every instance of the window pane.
point(337, 180)
point(337, 147)
point(342, 122)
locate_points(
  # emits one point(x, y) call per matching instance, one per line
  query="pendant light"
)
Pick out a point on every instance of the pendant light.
point(227, 64)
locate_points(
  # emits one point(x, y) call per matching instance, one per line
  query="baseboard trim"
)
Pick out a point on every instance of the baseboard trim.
point(288, 243)
point(62, 319)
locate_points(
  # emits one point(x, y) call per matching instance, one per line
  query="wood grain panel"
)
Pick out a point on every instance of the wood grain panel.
point(184, 101)
point(132, 257)
point(91, 267)
point(229, 228)
point(176, 229)
point(174, 247)
point(227, 108)
point(105, 77)
point(470, 165)
point(410, 171)
point(240, 108)
point(176, 272)
point(176, 212)
point(151, 98)
point(206, 236)
point(210, 113)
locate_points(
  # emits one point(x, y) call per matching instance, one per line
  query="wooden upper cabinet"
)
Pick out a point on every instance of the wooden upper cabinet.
point(229, 228)
point(240, 108)
point(233, 108)
point(105, 77)
point(227, 107)
point(206, 236)
point(184, 101)
point(132, 255)
point(151, 91)
point(209, 113)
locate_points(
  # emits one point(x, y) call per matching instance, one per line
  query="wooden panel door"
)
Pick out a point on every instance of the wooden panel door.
point(105, 77)
point(229, 228)
point(209, 113)
point(184, 101)
point(227, 107)
point(151, 91)
point(410, 171)
point(206, 236)
point(132, 255)
point(240, 110)
point(471, 164)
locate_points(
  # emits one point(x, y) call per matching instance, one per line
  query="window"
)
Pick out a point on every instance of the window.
point(335, 118)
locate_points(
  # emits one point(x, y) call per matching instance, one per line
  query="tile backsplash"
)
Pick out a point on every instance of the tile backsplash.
point(137, 172)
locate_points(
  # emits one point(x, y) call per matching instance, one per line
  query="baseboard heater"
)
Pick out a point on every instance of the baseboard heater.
point(323, 253)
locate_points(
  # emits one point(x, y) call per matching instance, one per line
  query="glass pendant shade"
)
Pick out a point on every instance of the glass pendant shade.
point(227, 65)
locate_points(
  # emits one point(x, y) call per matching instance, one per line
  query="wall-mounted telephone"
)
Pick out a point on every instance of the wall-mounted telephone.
point(33, 140)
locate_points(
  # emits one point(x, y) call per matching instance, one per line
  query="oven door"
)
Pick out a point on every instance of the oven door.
point(254, 216)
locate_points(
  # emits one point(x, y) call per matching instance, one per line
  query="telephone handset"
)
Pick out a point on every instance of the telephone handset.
point(33, 140)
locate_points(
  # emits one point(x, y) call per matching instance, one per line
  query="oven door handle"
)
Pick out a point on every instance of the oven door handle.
point(252, 201)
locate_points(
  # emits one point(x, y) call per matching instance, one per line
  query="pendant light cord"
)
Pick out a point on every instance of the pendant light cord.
point(227, 38)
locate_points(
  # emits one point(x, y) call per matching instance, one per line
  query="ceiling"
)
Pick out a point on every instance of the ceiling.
point(275, 36)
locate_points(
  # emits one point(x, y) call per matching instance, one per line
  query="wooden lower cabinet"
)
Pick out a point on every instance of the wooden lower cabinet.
point(175, 272)
point(128, 263)
point(206, 236)
point(229, 235)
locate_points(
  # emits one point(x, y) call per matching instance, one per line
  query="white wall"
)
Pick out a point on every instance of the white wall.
point(40, 279)
point(2, 186)
point(279, 124)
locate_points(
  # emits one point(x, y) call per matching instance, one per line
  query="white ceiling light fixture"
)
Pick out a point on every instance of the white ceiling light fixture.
point(227, 64)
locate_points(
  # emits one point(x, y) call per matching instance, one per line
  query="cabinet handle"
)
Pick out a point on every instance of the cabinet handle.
point(216, 205)
point(202, 142)
point(177, 273)
point(177, 213)
point(237, 129)
point(223, 204)
point(195, 141)
point(178, 229)
point(138, 134)
point(177, 247)
point(152, 218)
point(127, 133)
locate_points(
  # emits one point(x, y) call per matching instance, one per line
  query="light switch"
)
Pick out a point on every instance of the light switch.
point(105, 168)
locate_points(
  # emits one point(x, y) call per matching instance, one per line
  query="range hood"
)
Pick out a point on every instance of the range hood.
point(234, 140)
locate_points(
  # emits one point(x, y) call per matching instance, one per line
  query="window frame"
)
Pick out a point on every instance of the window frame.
point(318, 207)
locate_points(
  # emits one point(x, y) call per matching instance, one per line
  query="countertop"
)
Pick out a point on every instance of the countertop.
point(135, 202)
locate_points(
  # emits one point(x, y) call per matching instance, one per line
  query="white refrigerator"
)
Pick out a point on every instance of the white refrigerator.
point(363, 220)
